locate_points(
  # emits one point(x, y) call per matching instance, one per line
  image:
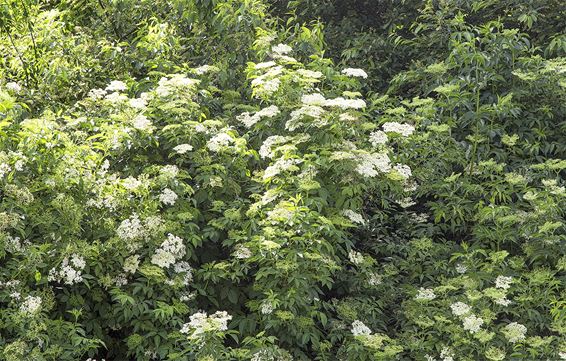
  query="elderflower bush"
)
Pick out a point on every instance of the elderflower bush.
point(114, 209)
point(481, 312)
point(108, 231)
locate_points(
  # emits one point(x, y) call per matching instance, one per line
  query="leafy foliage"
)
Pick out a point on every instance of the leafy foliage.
point(218, 180)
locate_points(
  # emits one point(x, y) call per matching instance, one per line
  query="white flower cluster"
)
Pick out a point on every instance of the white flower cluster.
point(219, 141)
point(394, 127)
point(249, 120)
point(175, 82)
point(116, 85)
point(371, 164)
point(279, 166)
point(312, 111)
point(14, 87)
point(138, 103)
point(360, 329)
point(170, 250)
point(281, 213)
point(201, 323)
point(168, 197)
point(460, 309)
point(343, 103)
point(472, 323)
point(354, 216)
point(265, 151)
point(183, 148)
point(242, 252)
point(281, 49)
point(340, 102)
point(4, 169)
point(355, 72)
point(131, 229)
point(169, 171)
point(425, 294)
point(374, 279)
point(460, 268)
point(309, 73)
point(266, 307)
point(267, 83)
point(131, 264)
point(70, 272)
point(503, 282)
point(31, 305)
point(446, 354)
point(15, 244)
point(116, 98)
point(265, 65)
point(203, 69)
point(355, 257)
point(514, 332)
point(142, 123)
point(403, 170)
point(503, 301)
point(185, 269)
point(378, 137)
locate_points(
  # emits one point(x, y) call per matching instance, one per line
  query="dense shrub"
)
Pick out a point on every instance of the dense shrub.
point(196, 180)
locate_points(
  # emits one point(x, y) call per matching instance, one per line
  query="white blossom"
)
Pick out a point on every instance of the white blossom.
point(266, 307)
point(162, 258)
point(503, 301)
point(460, 308)
point(472, 323)
point(69, 272)
point(378, 137)
point(131, 264)
point(355, 72)
point(355, 257)
point(169, 171)
point(360, 329)
point(131, 229)
point(138, 103)
point(141, 122)
point(183, 148)
point(168, 197)
point(281, 49)
point(265, 65)
point(269, 112)
point(343, 103)
point(219, 141)
point(96, 94)
point(371, 164)
point(247, 119)
point(242, 252)
point(309, 73)
point(201, 323)
point(354, 216)
point(426, 294)
point(116, 85)
point(374, 279)
point(31, 305)
point(313, 99)
point(403, 170)
point(394, 127)
point(503, 282)
point(312, 111)
point(279, 166)
point(460, 268)
point(14, 87)
point(514, 332)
